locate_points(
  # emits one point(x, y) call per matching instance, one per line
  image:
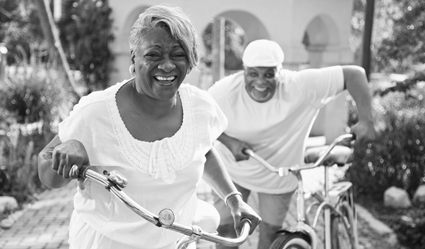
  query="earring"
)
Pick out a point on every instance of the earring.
point(131, 69)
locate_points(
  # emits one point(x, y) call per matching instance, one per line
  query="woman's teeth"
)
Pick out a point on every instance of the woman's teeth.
point(163, 78)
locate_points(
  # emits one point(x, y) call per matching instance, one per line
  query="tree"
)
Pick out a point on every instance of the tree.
point(52, 37)
point(86, 34)
point(397, 34)
point(367, 35)
point(20, 30)
point(405, 48)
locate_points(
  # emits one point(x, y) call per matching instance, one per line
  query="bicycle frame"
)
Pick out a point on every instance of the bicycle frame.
point(115, 182)
point(326, 203)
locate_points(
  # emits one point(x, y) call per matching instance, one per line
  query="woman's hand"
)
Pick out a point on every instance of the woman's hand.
point(69, 158)
point(240, 210)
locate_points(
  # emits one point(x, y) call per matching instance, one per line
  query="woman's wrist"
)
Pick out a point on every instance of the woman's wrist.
point(230, 196)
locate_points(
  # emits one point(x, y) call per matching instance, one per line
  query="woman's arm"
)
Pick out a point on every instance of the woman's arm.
point(57, 158)
point(217, 177)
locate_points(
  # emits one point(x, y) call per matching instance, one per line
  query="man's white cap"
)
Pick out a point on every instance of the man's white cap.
point(262, 53)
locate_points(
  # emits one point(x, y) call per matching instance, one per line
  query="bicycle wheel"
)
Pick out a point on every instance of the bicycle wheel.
point(343, 228)
point(291, 241)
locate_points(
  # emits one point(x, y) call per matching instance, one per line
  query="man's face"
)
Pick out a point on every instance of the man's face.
point(260, 83)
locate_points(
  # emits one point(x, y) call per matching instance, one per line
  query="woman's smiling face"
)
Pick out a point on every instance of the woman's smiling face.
point(260, 83)
point(161, 65)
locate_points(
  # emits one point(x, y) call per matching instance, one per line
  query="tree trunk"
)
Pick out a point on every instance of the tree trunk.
point(51, 34)
point(218, 49)
point(367, 36)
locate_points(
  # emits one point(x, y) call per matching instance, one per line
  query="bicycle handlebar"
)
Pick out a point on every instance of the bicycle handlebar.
point(318, 162)
point(115, 182)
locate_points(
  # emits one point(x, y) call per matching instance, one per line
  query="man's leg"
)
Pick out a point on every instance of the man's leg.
point(227, 227)
point(228, 231)
point(273, 210)
point(267, 235)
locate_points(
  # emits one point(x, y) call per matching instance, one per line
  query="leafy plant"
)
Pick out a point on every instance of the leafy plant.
point(85, 31)
point(20, 31)
point(398, 34)
point(396, 158)
point(404, 47)
point(32, 100)
point(85, 35)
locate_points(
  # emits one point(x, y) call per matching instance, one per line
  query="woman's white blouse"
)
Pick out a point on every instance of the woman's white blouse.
point(161, 174)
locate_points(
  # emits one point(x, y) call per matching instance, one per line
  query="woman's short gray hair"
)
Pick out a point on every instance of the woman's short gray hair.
point(174, 20)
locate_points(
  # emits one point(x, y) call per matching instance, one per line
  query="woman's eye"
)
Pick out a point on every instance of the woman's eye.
point(152, 56)
point(179, 56)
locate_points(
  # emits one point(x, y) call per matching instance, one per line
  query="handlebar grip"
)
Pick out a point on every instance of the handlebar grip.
point(248, 152)
point(83, 173)
point(246, 228)
point(248, 221)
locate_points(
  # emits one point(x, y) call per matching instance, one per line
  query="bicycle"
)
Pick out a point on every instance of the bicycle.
point(335, 203)
point(115, 182)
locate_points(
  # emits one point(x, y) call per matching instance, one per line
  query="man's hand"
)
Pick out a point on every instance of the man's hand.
point(236, 146)
point(364, 131)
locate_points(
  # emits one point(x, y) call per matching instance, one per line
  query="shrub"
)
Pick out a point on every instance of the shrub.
point(408, 224)
point(32, 99)
point(397, 156)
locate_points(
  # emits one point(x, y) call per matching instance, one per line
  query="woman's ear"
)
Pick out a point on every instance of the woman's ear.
point(132, 69)
point(132, 56)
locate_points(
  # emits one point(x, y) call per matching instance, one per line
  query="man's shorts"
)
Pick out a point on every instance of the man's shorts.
point(272, 207)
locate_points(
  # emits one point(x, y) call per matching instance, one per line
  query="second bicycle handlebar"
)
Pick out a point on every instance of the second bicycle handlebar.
point(115, 182)
point(318, 162)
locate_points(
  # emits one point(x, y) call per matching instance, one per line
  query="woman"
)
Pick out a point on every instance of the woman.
point(153, 129)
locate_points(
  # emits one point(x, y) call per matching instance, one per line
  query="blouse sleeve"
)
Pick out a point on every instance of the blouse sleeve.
point(75, 125)
point(219, 120)
point(208, 110)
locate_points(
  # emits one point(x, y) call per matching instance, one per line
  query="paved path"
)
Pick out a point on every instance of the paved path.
point(44, 224)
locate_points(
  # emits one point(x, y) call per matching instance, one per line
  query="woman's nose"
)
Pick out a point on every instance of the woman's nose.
point(167, 65)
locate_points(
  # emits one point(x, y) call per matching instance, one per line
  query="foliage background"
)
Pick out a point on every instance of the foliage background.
point(34, 95)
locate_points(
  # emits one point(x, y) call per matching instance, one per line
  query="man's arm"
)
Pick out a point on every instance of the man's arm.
point(355, 81)
point(235, 146)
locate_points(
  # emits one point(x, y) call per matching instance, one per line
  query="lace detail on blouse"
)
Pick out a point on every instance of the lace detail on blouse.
point(160, 158)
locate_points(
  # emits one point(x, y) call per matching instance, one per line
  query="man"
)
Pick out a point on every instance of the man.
point(271, 110)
